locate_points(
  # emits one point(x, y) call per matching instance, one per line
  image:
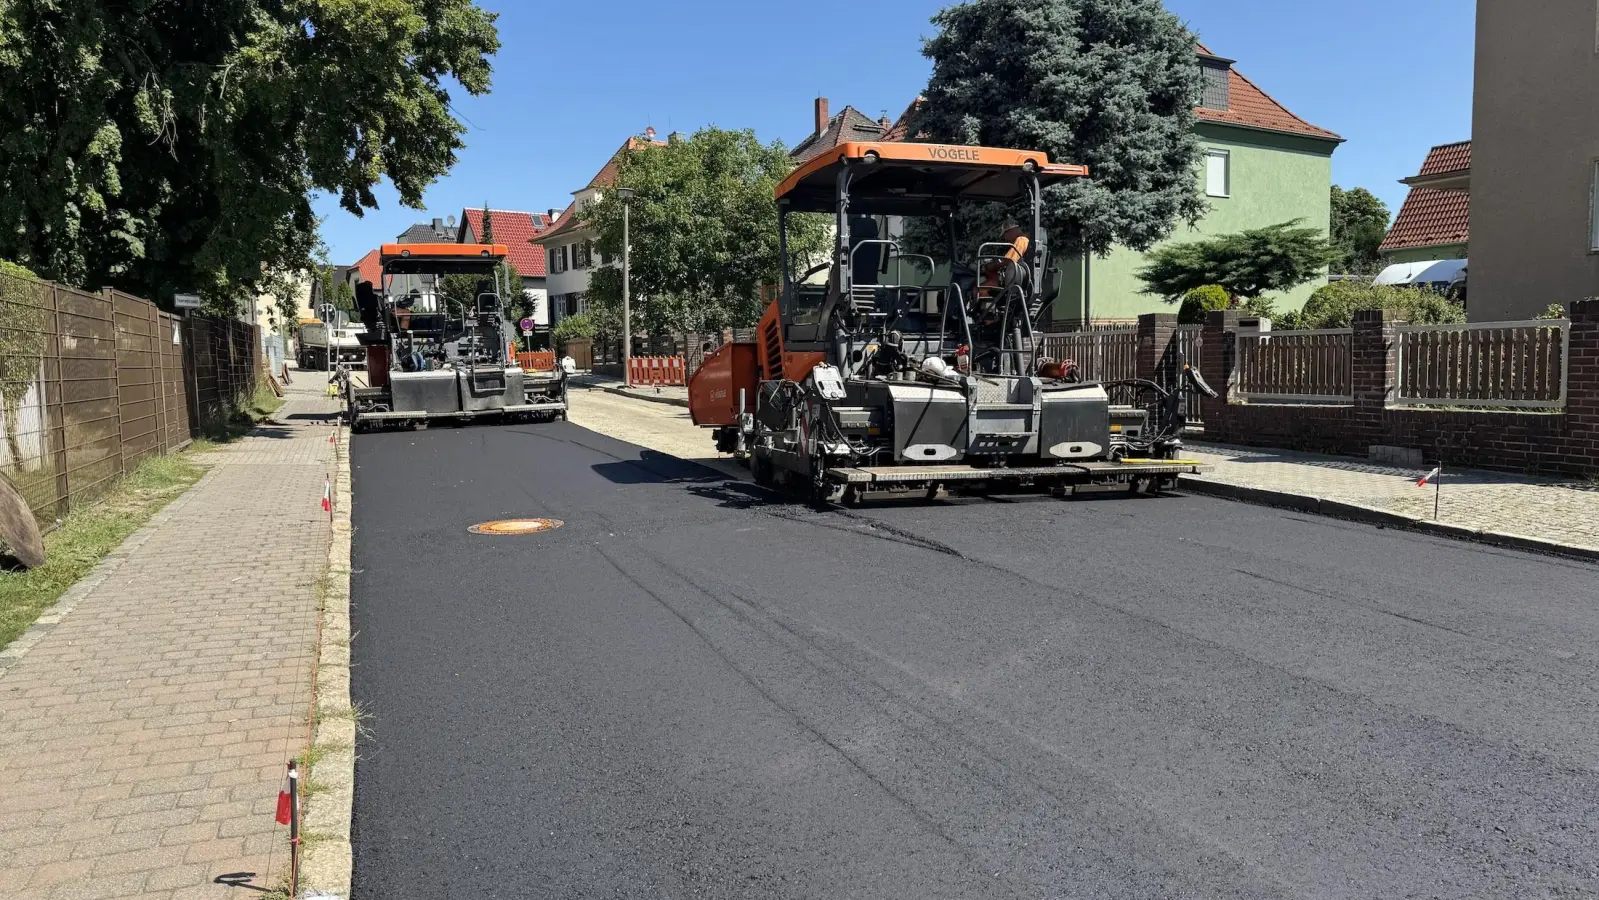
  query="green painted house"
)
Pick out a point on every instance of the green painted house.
point(1263, 165)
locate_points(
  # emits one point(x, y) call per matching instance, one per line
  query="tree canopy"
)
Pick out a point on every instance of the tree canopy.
point(1110, 84)
point(703, 229)
point(1359, 224)
point(1247, 264)
point(160, 146)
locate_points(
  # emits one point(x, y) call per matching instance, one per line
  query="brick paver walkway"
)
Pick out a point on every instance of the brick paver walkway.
point(1566, 512)
point(143, 738)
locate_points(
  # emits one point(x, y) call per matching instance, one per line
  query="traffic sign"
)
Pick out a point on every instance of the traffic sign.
point(527, 326)
point(185, 301)
point(527, 332)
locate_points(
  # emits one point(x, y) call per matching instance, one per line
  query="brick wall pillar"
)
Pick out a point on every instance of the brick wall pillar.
point(1374, 364)
point(1217, 357)
point(1582, 381)
point(1155, 333)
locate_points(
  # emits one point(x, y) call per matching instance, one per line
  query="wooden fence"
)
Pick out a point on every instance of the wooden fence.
point(91, 384)
point(1515, 365)
point(1103, 355)
point(1295, 366)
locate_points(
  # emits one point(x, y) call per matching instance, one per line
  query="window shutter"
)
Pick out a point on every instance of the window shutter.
point(1218, 178)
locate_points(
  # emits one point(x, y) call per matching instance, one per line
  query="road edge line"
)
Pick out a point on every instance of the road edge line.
point(328, 863)
point(1382, 518)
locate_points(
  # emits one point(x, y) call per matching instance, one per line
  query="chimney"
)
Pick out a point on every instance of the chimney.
point(675, 137)
point(553, 214)
point(821, 115)
point(885, 123)
point(438, 225)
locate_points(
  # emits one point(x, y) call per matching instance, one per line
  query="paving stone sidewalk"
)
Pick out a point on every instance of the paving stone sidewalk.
point(143, 735)
point(1566, 512)
point(1563, 511)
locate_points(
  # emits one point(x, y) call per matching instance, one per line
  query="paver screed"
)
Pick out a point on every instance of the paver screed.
point(143, 737)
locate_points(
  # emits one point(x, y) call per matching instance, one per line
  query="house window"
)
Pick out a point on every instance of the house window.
point(1216, 90)
point(1218, 174)
point(574, 303)
point(1593, 208)
point(582, 255)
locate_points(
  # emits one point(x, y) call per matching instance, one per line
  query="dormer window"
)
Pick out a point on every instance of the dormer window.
point(1215, 74)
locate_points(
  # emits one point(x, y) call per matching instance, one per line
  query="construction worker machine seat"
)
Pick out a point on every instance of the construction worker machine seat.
point(883, 370)
point(432, 358)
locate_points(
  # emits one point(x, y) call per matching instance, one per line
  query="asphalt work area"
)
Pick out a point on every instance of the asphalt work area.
point(694, 688)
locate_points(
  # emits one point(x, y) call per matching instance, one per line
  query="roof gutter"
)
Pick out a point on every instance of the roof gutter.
point(1330, 139)
point(1457, 181)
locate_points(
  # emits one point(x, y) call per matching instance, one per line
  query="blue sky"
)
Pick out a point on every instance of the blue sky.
point(574, 79)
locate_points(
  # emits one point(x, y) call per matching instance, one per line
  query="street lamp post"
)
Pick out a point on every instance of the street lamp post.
point(626, 195)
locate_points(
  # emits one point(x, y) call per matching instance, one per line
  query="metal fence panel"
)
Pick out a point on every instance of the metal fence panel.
point(1517, 365)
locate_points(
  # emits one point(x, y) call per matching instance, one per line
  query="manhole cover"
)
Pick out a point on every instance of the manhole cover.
point(516, 526)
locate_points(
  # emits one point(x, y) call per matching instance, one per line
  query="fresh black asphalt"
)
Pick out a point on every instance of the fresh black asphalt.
point(694, 689)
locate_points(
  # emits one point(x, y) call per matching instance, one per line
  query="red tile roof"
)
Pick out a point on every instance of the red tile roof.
point(1432, 218)
point(563, 223)
point(1447, 158)
point(897, 131)
point(605, 177)
point(515, 230)
point(1252, 107)
point(1248, 106)
point(369, 268)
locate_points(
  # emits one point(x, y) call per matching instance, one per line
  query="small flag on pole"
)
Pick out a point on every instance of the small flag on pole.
point(285, 803)
point(327, 495)
point(1425, 479)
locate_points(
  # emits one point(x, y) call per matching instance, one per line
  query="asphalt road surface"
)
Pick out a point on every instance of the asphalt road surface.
point(694, 690)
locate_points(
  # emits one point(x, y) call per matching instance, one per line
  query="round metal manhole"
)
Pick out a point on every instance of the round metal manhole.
point(516, 526)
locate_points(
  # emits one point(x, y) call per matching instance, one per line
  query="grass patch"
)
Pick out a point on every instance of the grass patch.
point(89, 533)
point(238, 422)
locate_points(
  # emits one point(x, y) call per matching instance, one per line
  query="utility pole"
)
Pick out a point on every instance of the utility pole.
point(626, 195)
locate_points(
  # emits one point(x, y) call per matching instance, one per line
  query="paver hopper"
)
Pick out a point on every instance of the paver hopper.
point(886, 370)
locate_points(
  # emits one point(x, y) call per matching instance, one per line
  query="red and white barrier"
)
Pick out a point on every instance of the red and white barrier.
point(657, 371)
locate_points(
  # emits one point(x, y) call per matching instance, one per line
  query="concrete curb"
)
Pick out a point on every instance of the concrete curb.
point(326, 869)
point(55, 612)
point(1382, 518)
point(623, 392)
